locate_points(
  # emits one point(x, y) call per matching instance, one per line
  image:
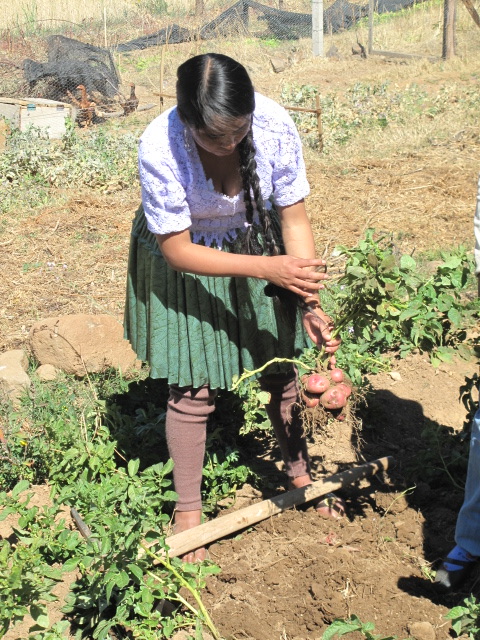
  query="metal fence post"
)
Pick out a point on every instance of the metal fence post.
point(317, 27)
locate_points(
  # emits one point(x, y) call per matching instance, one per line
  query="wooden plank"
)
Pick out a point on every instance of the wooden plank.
point(208, 532)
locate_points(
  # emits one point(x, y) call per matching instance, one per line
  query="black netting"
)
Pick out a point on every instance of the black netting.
point(71, 63)
point(278, 24)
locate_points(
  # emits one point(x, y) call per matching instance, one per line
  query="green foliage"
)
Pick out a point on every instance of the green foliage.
point(222, 477)
point(369, 107)
point(466, 619)
point(32, 164)
point(27, 568)
point(384, 304)
point(340, 627)
point(92, 441)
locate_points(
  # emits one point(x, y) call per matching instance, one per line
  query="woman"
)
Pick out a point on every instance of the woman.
point(222, 251)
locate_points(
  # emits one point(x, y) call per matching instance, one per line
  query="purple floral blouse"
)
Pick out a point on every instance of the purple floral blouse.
point(176, 194)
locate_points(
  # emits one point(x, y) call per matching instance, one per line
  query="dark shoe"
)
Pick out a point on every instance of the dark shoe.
point(451, 580)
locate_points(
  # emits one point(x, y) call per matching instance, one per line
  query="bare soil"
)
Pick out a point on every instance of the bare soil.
point(288, 578)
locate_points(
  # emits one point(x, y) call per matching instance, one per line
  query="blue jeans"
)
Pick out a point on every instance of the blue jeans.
point(467, 533)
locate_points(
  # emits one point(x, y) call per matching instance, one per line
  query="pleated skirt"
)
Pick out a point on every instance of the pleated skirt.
point(202, 330)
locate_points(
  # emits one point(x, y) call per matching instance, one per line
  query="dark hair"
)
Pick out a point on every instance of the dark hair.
point(211, 90)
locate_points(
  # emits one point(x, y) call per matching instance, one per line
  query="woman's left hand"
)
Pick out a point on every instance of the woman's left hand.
point(319, 328)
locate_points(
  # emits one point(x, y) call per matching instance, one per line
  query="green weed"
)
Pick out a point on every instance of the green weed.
point(341, 627)
point(466, 618)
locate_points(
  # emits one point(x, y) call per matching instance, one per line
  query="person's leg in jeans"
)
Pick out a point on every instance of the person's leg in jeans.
point(284, 413)
point(186, 425)
point(461, 559)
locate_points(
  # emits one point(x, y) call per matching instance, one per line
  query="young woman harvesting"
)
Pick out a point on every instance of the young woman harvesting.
point(221, 252)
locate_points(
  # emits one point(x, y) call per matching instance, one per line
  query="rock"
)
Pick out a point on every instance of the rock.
point(395, 376)
point(422, 631)
point(14, 379)
point(278, 64)
point(80, 344)
point(46, 372)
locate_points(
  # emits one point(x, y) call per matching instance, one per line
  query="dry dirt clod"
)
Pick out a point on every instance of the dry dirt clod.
point(422, 631)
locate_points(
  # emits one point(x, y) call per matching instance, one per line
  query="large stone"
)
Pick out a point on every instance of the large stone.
point(81, 344)
point(14, 379)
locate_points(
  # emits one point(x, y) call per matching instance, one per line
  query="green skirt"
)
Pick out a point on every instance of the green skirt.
point(198, 330)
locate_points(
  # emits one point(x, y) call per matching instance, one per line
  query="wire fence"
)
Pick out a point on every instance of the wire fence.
point(92, 58)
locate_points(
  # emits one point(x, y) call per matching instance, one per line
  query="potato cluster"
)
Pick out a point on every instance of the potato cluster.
point(330, 388)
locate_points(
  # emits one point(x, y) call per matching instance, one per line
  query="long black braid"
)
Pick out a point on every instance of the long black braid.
point(251, 184)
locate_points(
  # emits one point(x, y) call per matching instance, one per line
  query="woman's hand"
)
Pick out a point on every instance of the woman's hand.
point(319, 328)
point(298, 275)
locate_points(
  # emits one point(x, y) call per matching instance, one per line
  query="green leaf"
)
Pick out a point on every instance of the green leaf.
point(407, 262)
point(40, 615)
point(19, 487)
point(454, 316)
point(70, 565)
point(388, 263)
point(340, 627)
point(263, 397)
point(135, 569)
point(122, 579)
point(133, 466)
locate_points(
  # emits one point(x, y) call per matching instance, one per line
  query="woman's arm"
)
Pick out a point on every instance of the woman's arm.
point(298, 241)
point(291, 272)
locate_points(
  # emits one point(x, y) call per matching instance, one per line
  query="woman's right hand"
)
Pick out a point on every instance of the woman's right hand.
point(298, 275)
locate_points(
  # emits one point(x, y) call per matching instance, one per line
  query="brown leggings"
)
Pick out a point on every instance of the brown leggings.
point(187, 413)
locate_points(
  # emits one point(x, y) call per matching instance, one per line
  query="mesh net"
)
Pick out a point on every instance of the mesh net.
point(71, 63)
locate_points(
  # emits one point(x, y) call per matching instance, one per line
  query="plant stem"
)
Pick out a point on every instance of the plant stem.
point(247, 374)
point(165, 561)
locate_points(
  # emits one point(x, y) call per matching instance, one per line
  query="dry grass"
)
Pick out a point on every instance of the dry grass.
point(21, 12)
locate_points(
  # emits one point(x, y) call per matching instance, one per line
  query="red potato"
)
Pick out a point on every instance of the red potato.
point(316, 383)
point(346, 388)
point(336, 375)
point(333, 398)
point(310, 400)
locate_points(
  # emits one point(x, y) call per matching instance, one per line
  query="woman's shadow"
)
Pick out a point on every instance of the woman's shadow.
point(430, 463)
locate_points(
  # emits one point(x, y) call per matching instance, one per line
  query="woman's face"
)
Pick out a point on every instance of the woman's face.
point(223, 140)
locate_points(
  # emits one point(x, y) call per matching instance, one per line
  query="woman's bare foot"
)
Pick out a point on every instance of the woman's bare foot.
point(331, 506)
point(187, 520)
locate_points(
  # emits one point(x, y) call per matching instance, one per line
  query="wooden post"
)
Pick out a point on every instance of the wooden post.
point(199, 7)
point(317, 27)
point(448, 48)
point(371, 10)
point(105, 26)
point(162, 67)
point(319, 122)
point(472, 11)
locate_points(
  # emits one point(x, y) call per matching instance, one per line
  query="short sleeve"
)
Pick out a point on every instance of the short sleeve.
point(163, 192)
point(289, 175)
